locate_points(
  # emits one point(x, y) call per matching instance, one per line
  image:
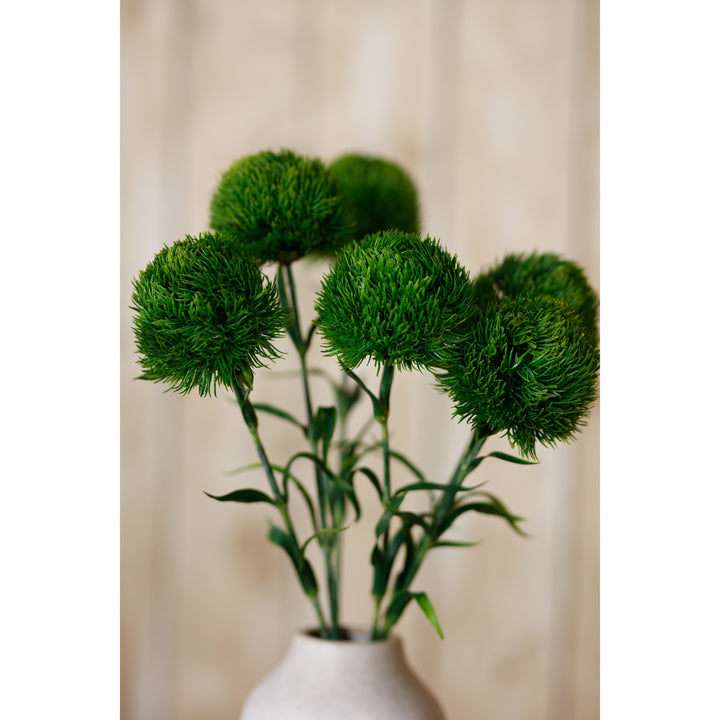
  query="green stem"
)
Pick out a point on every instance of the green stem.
point(382, 418)
point(475, 444)
point(384, 398)
point(330, 544)
point(428, 540)
point(376, 633)
point(242, 394)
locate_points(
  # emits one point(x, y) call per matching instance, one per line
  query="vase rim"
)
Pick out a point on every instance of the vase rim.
point(353, 636)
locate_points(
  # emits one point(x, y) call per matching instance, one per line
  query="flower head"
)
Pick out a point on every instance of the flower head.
point(529, 368)
point(280, 207)
point(394, 298)
point(378, 193)
point(535, 275)
point(204, 315)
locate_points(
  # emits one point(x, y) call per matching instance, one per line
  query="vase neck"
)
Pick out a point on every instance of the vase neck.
point(355, 654)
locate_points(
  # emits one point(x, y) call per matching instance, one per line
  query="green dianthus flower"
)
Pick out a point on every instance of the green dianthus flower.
point(280, 207)
point(529, 369)
point(204, 315)
point(535, 275)
point(378, 193)
point(396, 299)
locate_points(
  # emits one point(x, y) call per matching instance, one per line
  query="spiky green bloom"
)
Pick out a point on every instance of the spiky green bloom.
point(204, 315)
point(535, 275)
point(379, 194)
point(394, 298)
point(529, 369)
point(280, 206)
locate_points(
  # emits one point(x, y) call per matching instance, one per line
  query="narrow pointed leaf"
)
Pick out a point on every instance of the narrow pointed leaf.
point(304, 569)
point(509, 458)
point(378, 411)
point(311, 332)
point(381, 573)
point(321, 465)
point(397, 606)
point(279, 537)
point(413, 487)
point(409, 465)
point(410, 519)
point(308, 579)
point(323, 428)
point(427, 607)
point(456, 543)
point(320, 533)
point(383, 523)
point(370, 475)
point(387, 516)
point(483, 508)
point(306, 496)
point(245, 495)
point(280, 413)
point(287, 305)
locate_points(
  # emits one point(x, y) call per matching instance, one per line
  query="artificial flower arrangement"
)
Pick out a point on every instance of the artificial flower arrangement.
point(516, 349)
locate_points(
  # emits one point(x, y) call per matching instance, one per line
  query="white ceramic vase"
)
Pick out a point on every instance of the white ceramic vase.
point(351, 679)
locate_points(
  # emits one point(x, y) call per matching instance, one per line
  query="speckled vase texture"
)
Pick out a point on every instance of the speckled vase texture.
point(342, 680)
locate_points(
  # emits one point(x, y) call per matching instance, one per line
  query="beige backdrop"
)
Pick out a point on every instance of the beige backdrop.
point(492, 107)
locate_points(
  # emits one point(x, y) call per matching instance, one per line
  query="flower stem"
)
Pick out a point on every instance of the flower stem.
point(376, 633)
point(242, 394)
point(331, 543)
point(384, 398)
point(475, 444)
point(431, 536)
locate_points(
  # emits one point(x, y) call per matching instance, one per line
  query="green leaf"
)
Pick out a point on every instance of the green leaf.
point(320, 464)
point(410, 519)
point(306, 497)
point(382, 571)
point(378, 411)
point(400, 602)
point(286, 305)
point(510, 458)
point(390, 511)
point(409, 465)
point(304, 569)
point(427, 607)
point(323, 428)
point(279, 537)
point(397, 606)
point(245, 495)
point(307, 579)
point(414, 469)
point(286, 477)
point(385, 386)
point(410, 553)
point(383, 523)
point(495, 507)
point(500, 456)
point(349, 462)
point(311, 332)
point(455, 543)
point(244, 468)
point(319, 533)
point(435, 486)
point(370, 475)
point(334, 479)
point(352, 497)
point(280, 413)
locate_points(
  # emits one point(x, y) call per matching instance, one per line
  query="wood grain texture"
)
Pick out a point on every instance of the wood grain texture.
point(493, 108)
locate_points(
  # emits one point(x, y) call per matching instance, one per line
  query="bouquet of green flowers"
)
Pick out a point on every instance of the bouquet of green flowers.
point(516, 349)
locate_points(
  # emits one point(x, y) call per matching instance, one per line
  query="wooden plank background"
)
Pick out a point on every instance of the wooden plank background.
point(492, 107)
